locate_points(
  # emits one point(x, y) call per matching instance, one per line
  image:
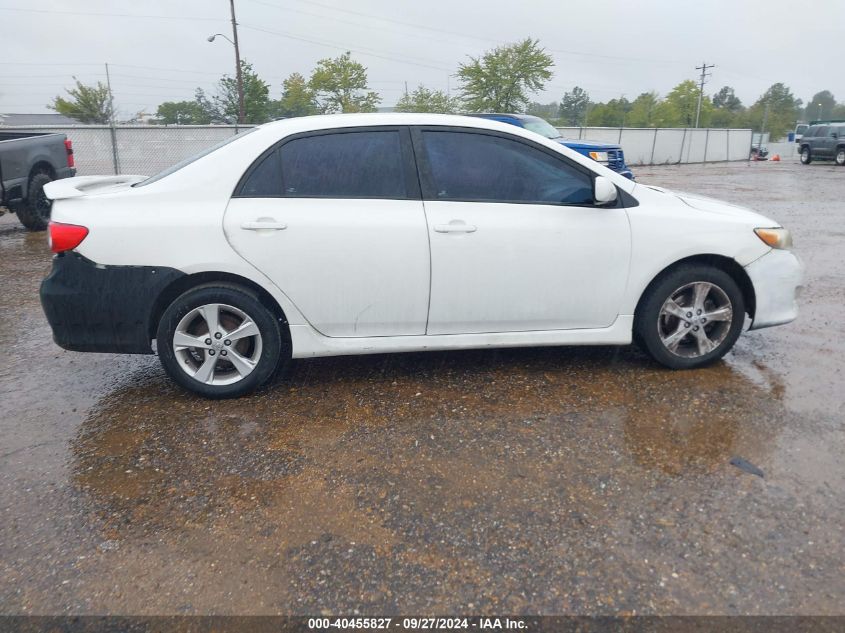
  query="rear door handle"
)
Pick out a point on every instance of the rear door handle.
point(455, 227)
point(264, 225)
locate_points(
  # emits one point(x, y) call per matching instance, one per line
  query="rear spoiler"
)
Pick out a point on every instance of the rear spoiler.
point(87, 185)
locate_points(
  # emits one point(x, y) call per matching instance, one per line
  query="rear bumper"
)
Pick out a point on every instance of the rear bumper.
point(95, 308)
point(776, 277)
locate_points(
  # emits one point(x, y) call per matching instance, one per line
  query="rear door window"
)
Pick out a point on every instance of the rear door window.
point(344, 165)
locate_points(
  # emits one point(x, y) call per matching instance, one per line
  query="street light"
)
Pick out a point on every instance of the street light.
point(820, 111)
point(238, 75)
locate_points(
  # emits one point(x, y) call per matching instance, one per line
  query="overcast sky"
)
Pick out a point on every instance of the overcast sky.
point(157, 49)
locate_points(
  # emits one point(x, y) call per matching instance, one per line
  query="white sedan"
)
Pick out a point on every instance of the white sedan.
point(370, 233)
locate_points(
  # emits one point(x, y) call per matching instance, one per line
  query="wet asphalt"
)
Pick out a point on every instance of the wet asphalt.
point(533, 481)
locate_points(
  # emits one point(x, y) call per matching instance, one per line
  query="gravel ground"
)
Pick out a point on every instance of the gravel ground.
point(537, 481)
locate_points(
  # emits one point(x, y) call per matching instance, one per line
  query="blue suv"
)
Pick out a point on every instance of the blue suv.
point(607, 154)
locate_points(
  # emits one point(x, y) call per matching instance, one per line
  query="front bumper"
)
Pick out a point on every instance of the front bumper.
point(776, 277)
point(95, 308)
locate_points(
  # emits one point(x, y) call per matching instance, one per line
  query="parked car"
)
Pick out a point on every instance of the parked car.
point(28, 161)
point(824, 142)
point(371, 233)
point(608, 154)
point(800, 129)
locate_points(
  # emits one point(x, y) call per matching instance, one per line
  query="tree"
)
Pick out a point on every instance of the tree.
point(783, 111)
point(727, 99)
point(543, 110)
point(424, 100)
point(297, 98)
point(502, 78)
point(257, 105)
point(88, 104)
point(643, 110)
point(574, 106)
point(610, 114)
point(820, 107)
point(680, 106)
point(182, 113)
point(340, 85)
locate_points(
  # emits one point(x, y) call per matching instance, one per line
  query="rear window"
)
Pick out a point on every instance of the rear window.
point(344, 165)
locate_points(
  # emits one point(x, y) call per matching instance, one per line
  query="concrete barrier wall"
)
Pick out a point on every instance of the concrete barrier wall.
point(148, 149)
point(658, 146)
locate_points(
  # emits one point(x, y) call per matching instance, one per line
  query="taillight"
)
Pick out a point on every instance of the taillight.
point(66, 237)
point(69, 150)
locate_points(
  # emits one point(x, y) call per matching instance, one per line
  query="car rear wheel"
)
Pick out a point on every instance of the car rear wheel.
point(806, 158)
point(691, 317)
point(219, 341)
point(840, 156)
point(35, 212)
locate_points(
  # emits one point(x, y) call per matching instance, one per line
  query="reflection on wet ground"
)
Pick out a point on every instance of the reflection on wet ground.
point(579, 480)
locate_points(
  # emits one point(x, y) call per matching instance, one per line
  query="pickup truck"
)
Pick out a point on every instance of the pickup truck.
point(28, 161)
point(608, 154)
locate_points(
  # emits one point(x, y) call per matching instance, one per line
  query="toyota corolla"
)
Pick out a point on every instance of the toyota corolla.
point(372, 233)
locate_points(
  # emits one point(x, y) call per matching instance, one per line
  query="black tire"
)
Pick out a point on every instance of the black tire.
point(273, 355)
point(648, 319)
point(806, 157)
point(840, 157)
point(34, 214)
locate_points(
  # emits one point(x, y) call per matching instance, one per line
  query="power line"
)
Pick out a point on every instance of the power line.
point(343, 47)
point(112, 15)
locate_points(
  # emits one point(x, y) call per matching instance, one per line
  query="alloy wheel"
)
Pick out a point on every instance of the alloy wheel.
point(217, 344)
point(695, 319)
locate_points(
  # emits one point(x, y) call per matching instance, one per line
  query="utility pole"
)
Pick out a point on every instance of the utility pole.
point(239, 75)
point(704, 74)
point(115, 160)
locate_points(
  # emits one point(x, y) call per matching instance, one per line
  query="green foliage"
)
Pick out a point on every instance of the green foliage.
point(726, 99)
point(643, 110)
point(340, 85)
point(424, 100)
point(573, 106)
point(182, 113)
point(258, 107)
point(543, 110)
point(820, 107)
point(681, 105)
point(87, 104)
point(297, 98)
point(783, 111)
point(610, 114)
point(502, 78)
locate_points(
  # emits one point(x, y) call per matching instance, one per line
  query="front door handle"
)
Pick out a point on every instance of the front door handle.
point(264, 225)
point(455, 226)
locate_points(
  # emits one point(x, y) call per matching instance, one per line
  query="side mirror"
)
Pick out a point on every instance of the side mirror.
point(604, 191)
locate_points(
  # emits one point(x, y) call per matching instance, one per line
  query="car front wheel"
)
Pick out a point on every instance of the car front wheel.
point(690, 317)
point(219, 341)
point(806, 158)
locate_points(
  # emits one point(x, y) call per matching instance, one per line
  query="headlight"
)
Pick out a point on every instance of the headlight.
point(776, 238)
point(599, 156)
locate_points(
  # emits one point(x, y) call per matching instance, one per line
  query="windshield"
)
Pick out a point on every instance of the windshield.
point(540, 127)
point(191, 159)
point(801, 129)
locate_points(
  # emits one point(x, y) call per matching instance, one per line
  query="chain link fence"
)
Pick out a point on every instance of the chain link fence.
point(135, 149)
point(148, 149)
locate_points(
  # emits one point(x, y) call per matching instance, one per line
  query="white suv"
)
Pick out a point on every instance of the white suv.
point(357, 234)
